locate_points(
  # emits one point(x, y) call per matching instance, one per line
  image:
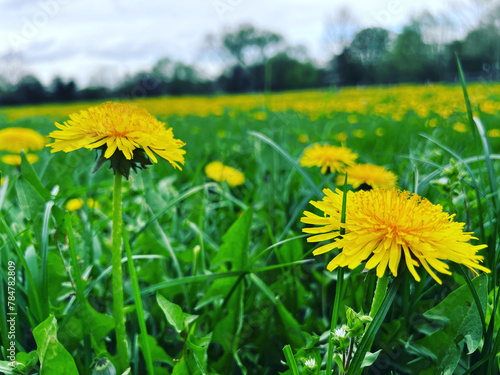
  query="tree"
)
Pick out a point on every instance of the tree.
point(410, 55)
point(250, 46)
point(62, 92)
point(29, 90)
point(369, 45)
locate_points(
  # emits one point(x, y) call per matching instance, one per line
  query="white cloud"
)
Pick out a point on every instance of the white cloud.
point(76, 38)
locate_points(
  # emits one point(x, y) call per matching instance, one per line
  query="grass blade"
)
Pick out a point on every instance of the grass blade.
point(466, 97)
point(139, 308)
point(289, 158)
point(180, 198)
point(290, 360)
point(44, 254)
point(204, 278)
point(20, 255)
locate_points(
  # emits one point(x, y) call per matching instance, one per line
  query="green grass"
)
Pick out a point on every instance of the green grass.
point(213, 250)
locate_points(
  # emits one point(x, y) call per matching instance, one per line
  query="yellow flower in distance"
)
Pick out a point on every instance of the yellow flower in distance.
point(16, 159)
point(460, 127)
point(493, 133)
point(118, 126)
point(303, 138)
point(222, 173)
point(373, 175)
point(341, 137)
point(328, 157)
point(15, 140)
point(77, 203)
point(382, 225)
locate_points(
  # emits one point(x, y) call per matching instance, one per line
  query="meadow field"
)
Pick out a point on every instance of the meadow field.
point(218, 275)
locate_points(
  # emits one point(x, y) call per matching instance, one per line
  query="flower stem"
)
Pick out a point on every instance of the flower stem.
point(379, 295)
point(335, 314)
point(117, 278)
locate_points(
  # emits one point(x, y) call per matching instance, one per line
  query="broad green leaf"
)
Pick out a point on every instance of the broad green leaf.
point(195, 352)
point(99, 326)
point(54, 358)
point(234, 248)
point(29, 175)
point(174, 314)
point(370, 358)
point(458, 313)
point(442, 350)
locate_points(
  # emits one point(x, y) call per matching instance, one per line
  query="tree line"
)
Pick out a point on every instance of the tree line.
point(259, 60)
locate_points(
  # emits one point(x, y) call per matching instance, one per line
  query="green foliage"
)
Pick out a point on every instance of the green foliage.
point(54, 358)
point(225, 278)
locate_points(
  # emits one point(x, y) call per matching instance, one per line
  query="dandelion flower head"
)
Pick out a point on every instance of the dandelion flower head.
point(328, 157)
point(373, 175)
point(383, 226)
point(118, 127)
point(222, 173)
point(15, 140)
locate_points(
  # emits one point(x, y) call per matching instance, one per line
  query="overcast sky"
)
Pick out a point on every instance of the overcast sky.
point(107, 39)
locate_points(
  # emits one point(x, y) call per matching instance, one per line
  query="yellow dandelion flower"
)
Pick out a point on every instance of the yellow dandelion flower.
point(341, 137)
point(262, 116)
point(374, 176)
point(359, 133)
point(16, 159)
point(77, 203)
point(74, 204)
point(15, 140)
point(382, 225)
point(303, 138)
point(352, 119)
point(432, 123)
point(460, 127)
point(328, 157)
point(222, 173)
point(92, 203)
point(119, 129)
point(493, 133)
point(380, 132)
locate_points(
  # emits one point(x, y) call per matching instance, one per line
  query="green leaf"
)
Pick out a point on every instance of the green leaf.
point(234, 248)
point(174, 314)
point(54, 358)
point(195, 352)
point(99, 326)
point(370, 358)
point(29, 175)
point(26, 361)
point(194, 358)
point(290, 360)
point(158, 354)
point(458, 313)
point(441, 348)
